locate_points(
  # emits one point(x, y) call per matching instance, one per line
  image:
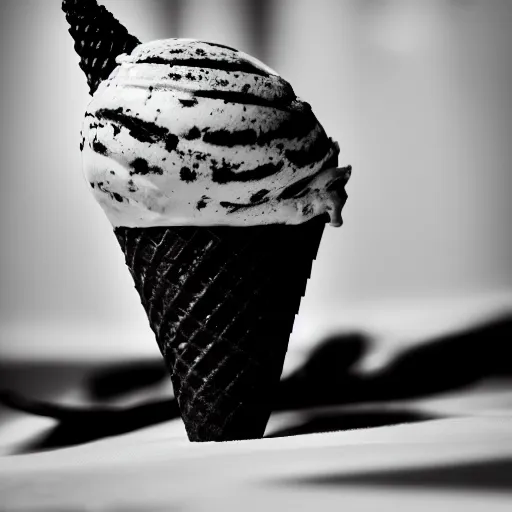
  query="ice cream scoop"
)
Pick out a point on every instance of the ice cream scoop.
point(186, 132)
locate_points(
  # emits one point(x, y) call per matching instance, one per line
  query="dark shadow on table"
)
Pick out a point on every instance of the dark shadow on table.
point(325, 379)
point(321, 422)
point(493, 475)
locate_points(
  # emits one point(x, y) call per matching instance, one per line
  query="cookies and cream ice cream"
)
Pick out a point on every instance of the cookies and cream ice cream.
point(186, 132)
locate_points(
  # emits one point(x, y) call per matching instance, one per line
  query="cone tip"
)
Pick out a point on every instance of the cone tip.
point(99, 39)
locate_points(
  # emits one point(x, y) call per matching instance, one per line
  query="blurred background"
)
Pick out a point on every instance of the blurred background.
point(418, 94)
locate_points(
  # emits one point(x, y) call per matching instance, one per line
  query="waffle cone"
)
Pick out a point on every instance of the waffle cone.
point(222, 302)
point(99, 39)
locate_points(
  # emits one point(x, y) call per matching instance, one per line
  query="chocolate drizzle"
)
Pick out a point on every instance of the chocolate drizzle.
point(309, 155)
point(294, 127)
point(296, 188)
point(224, 174)
point(258, 196)
point(221, 65)
point(243, 98)
point(234, 207)
point(226, 138)
point(143, 131)
point(218, 45)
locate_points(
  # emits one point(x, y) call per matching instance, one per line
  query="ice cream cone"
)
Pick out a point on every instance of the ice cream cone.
point(221, 300)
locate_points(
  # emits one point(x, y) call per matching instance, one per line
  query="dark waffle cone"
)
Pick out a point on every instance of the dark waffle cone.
point(99, 39)
point(222, 302)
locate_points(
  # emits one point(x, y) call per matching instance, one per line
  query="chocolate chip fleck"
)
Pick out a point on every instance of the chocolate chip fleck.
point(186, 102)
point(141, 166)
point(99, 147)
point(193, 133)
point(202, 202)
point(187, 175)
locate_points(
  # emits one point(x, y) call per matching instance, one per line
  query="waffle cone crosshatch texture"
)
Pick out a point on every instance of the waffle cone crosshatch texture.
point(218, 181)
point(222, 303)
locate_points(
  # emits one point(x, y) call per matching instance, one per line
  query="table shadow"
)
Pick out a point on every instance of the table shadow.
point(493, 475)
point(335, 421)
point(447, 363)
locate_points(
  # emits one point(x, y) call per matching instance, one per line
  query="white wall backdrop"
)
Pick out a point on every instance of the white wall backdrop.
point(416, 92)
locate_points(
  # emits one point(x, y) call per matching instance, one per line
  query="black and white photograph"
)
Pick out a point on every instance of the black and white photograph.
point(255, 255)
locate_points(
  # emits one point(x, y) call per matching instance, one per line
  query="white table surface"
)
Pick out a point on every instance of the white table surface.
point(460, 460)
